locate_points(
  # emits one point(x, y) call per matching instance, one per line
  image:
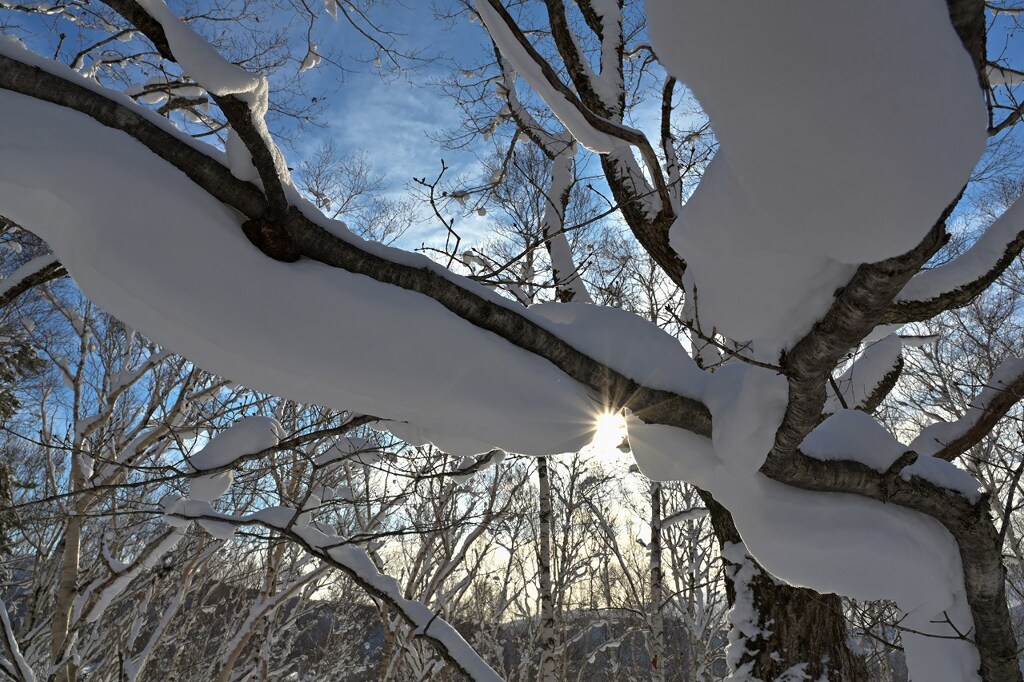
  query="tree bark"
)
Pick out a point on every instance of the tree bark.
point(67, 590)
point(657, 635)
point(798, 626)
point(546, 669)
point(860, 307)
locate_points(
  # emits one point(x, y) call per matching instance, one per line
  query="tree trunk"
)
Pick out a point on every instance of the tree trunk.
point(67, 590)
point(546, 671)
point(387, 650)
point(657, 635)
point(794, 626)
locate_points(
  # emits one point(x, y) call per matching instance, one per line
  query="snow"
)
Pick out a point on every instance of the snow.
point(626, 342)
point(633, 177)
point(998, 75)
point(853, 435)
point(239, 159)
point(665, 453)
point(525, 66)
point(26, 270)
point(792, 201)
point(321, 541)
point(747, 404)
point(608, 83)
point(172, 505)
point(768, 235)
point(742, 616)
point(156, 89)
point(945, 475)
point(188, 277)
point(881, 332)
point(844, 544)
point(209, 488)
point(411, 434)
point(311, 60)
point(279, 517)
point(938, 658)
point(27, 675)
point(425, 620)
point(245, 437)
point(217, 75)
point(323, 494)
point(218, 530)
point(935, 437)
point(565, 272)
point(858, 383)
point(348, 449)
point(684, 516)
point(919, 341)
point(977, 260)
point(797, 673)
point(15, 49)
point(116, 587)
point(200, 59)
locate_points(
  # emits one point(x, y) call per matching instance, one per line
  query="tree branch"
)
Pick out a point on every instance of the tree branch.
point(31, 274)
point(264, 231)
point(903, 311)
point(855, 312)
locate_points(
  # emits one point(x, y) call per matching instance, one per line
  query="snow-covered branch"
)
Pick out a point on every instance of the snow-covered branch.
point(949, 440)
point(759, 264)
point(958, 282)
point(35, 272)
point(594, 132)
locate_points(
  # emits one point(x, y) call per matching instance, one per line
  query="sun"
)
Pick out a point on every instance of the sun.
point(609, 433)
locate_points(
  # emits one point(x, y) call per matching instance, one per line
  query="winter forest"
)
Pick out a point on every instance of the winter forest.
point(547, 340)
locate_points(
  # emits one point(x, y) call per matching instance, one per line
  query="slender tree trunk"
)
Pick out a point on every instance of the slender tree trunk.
point(387, 650)
point(67, 589)
point(794, 625)
point(546, 671)
point(657, 635)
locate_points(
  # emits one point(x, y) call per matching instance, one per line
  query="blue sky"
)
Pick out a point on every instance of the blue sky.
point(389, 115)
point(397, 118)
point(409, 109)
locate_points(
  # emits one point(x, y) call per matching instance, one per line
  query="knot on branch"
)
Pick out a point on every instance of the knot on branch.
point(894, 470)
point(271, 237)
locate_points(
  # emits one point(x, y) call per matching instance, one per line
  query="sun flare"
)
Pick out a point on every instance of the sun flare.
point(609, 433)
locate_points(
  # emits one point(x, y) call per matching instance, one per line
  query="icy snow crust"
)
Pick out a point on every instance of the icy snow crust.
point(840, 144)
